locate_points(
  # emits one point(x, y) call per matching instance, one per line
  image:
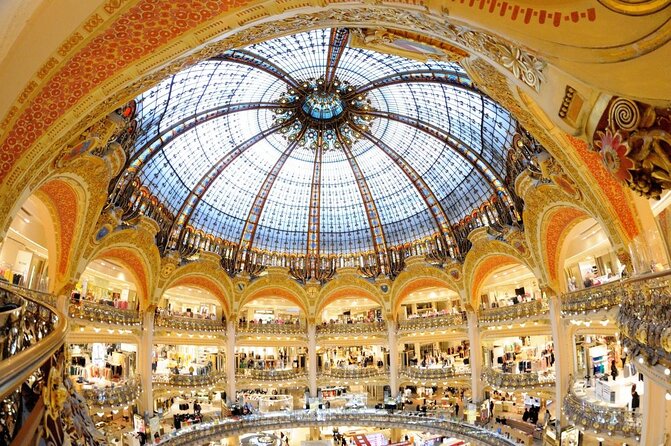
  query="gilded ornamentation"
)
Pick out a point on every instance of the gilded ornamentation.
point(634, 140)
point(556, 226)
point(571, 106)
point(635, 7)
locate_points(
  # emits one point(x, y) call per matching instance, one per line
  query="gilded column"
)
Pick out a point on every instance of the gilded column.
point(145, 350)
point(230, 359)
point(312, 358)
point(393, 356)
point(655, 410)
point(477, 388)
point(562, 349)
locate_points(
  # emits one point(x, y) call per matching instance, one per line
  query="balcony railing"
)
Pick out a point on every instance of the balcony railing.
point(357, 328)
point(270, 375)
point(437, 374)
point(32, 335)
point(522, 310)
point(645, 318)
point(204, 432)
point(432, 322)
point(602, 297)
point(95, 312)
point(599, 417)
point(272, 329)
point(518, 381)
point(175, 380)
point(116, 395)
point(354, 373)
point(188, 323)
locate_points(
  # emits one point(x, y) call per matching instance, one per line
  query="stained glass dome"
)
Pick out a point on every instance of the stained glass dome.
point(307, 145)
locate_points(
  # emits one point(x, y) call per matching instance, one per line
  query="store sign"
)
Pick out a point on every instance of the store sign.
point(138, 423)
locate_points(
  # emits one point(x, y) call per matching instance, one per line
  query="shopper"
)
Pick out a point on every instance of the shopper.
point(613, 370)
point(635, 399)
point(546, 420)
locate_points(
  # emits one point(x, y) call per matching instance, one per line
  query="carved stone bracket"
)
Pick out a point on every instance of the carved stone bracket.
point(634, 140)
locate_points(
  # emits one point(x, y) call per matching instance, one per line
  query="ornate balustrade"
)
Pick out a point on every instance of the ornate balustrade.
point(95, 312)
point(175, 380)
point(39, 296)
point(32, 334)
point(645, 318)
point(602, 297)
point(270, 375)
point(353, 373)
point(518, 381)
point(116, 395)
point(203, 432)
point(272, 329)
point(438, 374)
point(599, 417)
point(188, 323)
point(432, 323)
point(523, 310)
point(357, 328)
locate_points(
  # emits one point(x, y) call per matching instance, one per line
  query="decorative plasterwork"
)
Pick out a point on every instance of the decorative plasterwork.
point(634, 141)
point(348, 283)
point(483, 269)
point(417, 276)
point(106, 55)
point(589, 177)
point(136, 249)
point(558, 222)
point(274, 284)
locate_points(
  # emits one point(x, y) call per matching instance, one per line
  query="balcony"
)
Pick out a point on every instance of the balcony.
point(32, 334)
point(522, 310)
point(435, 374)
point(175, 380)
point(598, 416)
point(118, 395)
point(354, 329)
point(644, 319)
point(203, 432)
point(602, 297)
point(354, 373)
point(518, 381)
point(189, 324)
point(432, 323)
point(270, 375)
point(106, 314)
point(272, 329)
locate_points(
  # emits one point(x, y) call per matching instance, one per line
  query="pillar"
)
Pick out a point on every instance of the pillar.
point(395, 435)
point(563, 352)
point(230, 359)
point(654, 408)
point(145, 350)
point(477, 387)
point(315, 434)
point(233, 440)
point(312, 358)
point(393, 357)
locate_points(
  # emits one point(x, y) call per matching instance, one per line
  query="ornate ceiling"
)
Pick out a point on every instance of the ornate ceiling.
point(304, 145)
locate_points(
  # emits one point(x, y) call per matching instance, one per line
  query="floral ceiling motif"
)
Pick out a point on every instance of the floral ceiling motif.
point(634, 140)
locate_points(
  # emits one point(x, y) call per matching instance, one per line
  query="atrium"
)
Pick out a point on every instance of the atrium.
point(302, 222)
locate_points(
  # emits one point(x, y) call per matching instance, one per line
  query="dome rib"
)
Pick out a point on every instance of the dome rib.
point(423, 189)
point(314, 213)
point(197, 193)
point(466, 152)
point(337, 44)
point(374, 222)
point(148, 150)
point(253, 60)
point(254, 216)
point(442, 77)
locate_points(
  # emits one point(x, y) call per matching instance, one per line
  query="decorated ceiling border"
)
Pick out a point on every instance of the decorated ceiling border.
point(60, 106)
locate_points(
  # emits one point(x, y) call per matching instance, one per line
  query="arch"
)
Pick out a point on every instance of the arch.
point(484, 269)
point(417, 277)
point(348, 285)
point(558, 222)
point(135, 249)
point(274, 285)
point(207, 276)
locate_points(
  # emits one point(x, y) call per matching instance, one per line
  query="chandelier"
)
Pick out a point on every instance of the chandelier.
point(323, 115)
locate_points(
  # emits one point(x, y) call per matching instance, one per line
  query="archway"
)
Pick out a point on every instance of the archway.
point(28, 252)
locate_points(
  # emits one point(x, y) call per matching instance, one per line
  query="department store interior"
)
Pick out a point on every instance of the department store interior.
point(309, 223)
